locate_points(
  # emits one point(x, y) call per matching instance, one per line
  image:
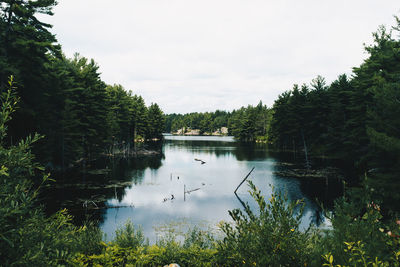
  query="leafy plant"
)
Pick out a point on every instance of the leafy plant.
point(27, 237)
point(129, 237)
point(272, 237)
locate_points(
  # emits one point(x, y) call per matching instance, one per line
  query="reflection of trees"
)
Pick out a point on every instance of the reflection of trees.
point(251, 152)
point(320, 191)
point(85, 193)
point(242, 151)
point(317, 189)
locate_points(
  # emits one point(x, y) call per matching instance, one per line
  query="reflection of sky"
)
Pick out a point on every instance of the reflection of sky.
point(217, 180)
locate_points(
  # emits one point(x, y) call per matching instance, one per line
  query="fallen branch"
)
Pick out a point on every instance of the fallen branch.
point(190, 191)
point(244, 180)
point(105, 207)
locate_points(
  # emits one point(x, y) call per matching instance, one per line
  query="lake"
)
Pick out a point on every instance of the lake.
point(177, 190)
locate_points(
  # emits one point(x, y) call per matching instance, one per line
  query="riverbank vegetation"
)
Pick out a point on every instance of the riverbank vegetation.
point(60, 110)
point(270, 235)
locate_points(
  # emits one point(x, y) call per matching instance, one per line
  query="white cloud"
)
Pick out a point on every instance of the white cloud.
point(204, 55)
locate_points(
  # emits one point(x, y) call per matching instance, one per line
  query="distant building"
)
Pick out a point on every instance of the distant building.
point(224, 130)
point(193, 132)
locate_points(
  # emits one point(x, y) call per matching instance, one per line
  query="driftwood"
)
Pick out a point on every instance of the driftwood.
point(111, 207)
point(202, 161)
point(245, 178)
point(171, 198)
point(85, 207)
point(188, 191)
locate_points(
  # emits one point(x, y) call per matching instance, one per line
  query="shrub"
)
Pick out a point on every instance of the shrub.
point(359, 234)
point(27, 237)
point(129, 237)
point(270, 238)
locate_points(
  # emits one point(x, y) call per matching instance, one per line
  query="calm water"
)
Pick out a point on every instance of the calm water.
point(141, 189)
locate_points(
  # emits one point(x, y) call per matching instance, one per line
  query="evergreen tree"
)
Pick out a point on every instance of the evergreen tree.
point(139, 114)
point(378, 78)
point(25, 46)
point(156, 121)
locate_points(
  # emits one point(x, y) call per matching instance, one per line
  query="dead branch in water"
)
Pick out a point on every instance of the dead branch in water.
point(245, 178)
point(202, 161)
point(105, 207)
point(190, 191)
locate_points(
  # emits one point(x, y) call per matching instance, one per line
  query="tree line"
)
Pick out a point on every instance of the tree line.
point(249, 123)
point(64, 98)
point(356, 118)
point(365, 106)
point(271, 235)
point(207, 122)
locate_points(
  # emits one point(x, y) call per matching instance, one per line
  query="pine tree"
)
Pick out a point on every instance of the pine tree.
point(156, 121)
point(25, 46)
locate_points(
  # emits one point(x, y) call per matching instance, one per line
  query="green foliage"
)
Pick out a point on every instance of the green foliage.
point(360, 235)
point(251, 123)
point(129, 248)
point(148, 256)
point(270, 238)
point(357, 257)
point(63, 99)
point(199, 238)
point(247, 124)
point(25, 45)
point(354, 119)
point(207, 122)
point(27, 237)
point(129, 237)
point(155, 122)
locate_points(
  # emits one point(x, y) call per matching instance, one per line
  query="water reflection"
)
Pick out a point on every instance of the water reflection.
point(214, 182)
point(85, 192)
point(150, 191)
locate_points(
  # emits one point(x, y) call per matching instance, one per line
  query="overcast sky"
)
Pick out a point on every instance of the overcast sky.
point(204, 55)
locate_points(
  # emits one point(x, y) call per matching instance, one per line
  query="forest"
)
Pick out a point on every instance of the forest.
point(56, 112)
point(247, 124)
point(355, 119)
point(64, 99)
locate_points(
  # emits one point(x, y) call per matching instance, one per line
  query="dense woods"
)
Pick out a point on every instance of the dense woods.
point(356, 119)
point(207, 122)
point(249, 123)
point(65, 99)
point(58, 110)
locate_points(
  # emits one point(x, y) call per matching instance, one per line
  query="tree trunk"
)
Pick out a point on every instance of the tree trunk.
point(305, 150)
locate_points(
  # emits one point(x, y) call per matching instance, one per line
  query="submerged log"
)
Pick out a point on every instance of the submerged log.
point(307, 173)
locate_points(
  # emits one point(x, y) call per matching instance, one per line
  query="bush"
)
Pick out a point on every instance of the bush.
point(359, 233)
point(129, 237)
point(199, 238)
point(271, 238)
point(27, 237)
